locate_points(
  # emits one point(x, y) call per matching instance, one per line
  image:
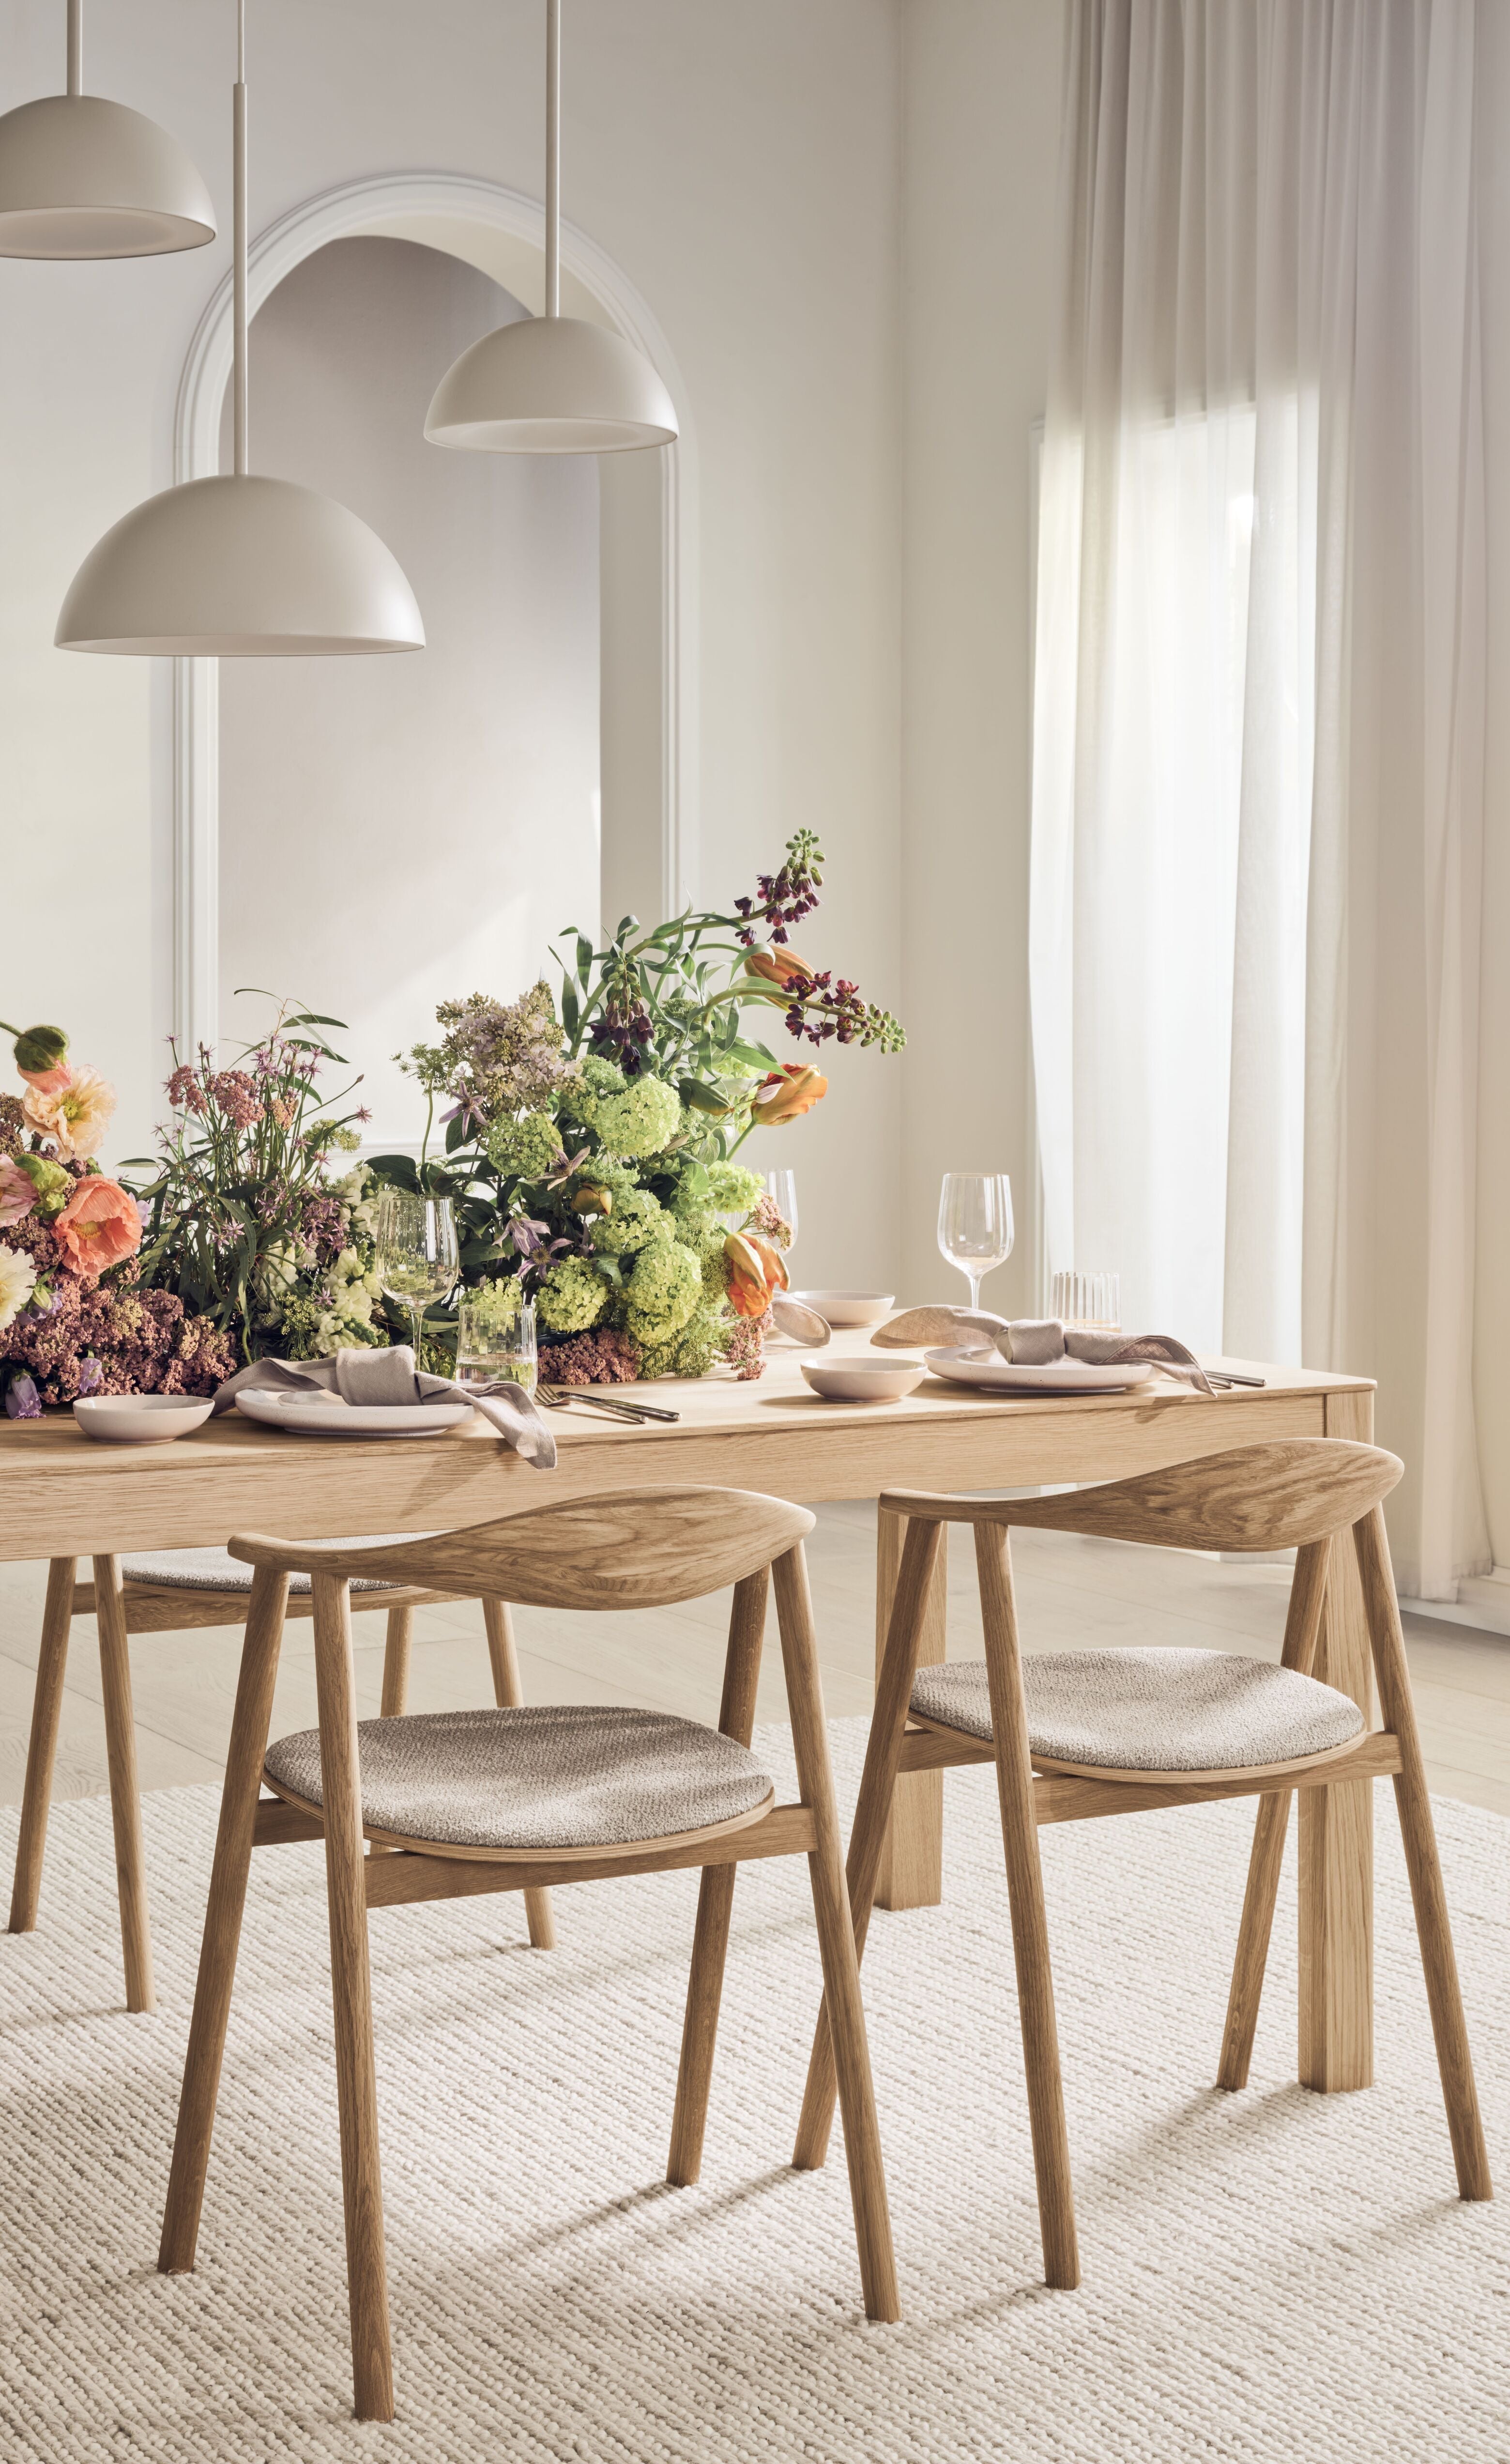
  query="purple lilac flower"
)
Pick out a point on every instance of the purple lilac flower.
point(22, 1401)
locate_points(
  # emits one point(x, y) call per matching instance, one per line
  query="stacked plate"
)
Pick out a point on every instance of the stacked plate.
point(973, 1365)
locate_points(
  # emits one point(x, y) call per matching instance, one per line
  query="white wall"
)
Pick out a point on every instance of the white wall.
point(742, 166)
point(982, 109)
point(397, 831)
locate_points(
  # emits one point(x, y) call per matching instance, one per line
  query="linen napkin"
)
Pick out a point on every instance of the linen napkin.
point(1035, 1342)
point(389, 1377)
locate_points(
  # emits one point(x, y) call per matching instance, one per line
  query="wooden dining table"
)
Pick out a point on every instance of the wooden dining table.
point(62, 1496)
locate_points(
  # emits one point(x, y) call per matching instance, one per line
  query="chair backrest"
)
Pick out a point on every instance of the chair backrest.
point(637, 1548)
point(1278, 1495)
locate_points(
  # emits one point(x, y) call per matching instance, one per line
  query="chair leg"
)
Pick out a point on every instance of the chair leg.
point(878, 1783)
point(1303, 1627)
point(125, 1794)
point(716, 1898)
point(1414, 1803)
point(868, 2185)
point(351, 1995)
point(1030, 1941)
point(396, 1663)
point(1264, 1867)
point(508, 1692)
point(47, 1703)
point(228, 1894)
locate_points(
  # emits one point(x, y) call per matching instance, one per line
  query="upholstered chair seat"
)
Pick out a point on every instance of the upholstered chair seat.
point(570, 1775)
point(216, 1569)
point(1151, 1711)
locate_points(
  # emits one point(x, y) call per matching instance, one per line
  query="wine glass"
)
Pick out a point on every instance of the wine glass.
point(974, 1224)
point(416, 1258)
point(782, 1186)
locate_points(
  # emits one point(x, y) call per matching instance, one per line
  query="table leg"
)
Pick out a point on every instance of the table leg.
point(913, 1860)
point(1336, 1839)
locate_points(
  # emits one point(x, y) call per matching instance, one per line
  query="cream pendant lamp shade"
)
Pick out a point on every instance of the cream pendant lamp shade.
point(80, 177)
point(550, 384)
point(240, 567)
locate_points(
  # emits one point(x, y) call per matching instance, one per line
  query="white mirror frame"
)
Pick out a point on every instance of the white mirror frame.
point(502, 232)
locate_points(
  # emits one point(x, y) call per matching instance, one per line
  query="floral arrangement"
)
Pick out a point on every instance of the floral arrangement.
point(74, 1318)
point(256, 1216)
point(589, 1150)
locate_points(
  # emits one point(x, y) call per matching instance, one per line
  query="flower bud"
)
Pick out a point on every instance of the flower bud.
point(787, 1094)
point(778, 965)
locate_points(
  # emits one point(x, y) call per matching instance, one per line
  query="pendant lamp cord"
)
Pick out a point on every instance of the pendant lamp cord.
point(76, 46)
point(552, 158)
point(238, 373)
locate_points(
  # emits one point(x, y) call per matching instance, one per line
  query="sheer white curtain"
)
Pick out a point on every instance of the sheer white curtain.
point(1259, 701)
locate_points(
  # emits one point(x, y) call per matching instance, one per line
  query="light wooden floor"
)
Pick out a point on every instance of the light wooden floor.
point(1073, 1591)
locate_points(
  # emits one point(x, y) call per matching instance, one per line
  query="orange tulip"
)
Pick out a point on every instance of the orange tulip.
point(787, 1094)
point(757, 1273)
point(99, 1225)
point(779, 965)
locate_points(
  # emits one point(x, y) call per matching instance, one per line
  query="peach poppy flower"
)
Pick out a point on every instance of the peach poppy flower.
point(48, 1082)
point(76, 1115)
point(17, 1192)
point(787, 1094)
point(101, 1224)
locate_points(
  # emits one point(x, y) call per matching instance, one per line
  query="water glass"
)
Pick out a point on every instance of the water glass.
point(974, 1224)
point(1090, 1301)
point(415, 1252)
point(495, 1337)
point(782, 1186)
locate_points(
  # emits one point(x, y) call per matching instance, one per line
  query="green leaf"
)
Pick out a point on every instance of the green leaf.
point(395, 1171)
point(699, 1098)
point(586, 954)
point(571, 1009)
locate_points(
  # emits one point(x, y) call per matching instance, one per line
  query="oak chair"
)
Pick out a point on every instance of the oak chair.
point(1078, 1734)
point(172, 1591)
point(508, 1799)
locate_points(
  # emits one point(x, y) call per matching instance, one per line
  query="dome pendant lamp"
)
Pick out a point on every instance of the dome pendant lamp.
point(239, 567)
point(550, 384)
point(80, 177)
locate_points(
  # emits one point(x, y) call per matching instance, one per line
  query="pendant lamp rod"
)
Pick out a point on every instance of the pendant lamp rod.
point(76, 46)
point(238, 363)
point(552, 158)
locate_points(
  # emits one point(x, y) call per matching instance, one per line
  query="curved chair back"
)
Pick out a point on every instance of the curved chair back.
point(1274, 1496)
point(639, 1548)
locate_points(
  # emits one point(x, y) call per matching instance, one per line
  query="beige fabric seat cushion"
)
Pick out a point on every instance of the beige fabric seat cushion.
point(550, 1775)
point(215, 1570)
point(1152, 1710)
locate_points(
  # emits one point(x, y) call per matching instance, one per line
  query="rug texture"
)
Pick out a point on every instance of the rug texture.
point(1267, 2275)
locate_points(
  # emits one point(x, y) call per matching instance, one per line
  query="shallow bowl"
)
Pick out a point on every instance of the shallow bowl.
point(864, 1381)
point(141, 1419)
point(849, 1309)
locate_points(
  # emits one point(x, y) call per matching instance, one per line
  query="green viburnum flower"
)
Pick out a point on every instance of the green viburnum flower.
point(54, 1186)
point(526, 1147)
point(631, 1116)
point(663, 1292)
point(690, 1354)
point(636, 1221)
point(597, 1080)
point(572, 1296)
point(732, 1186)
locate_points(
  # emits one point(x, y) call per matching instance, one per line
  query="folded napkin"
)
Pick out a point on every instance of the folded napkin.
point(389, 1377)
point(1035, 1342)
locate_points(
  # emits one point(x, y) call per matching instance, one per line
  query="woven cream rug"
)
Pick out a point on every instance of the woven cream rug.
point(1268, 2276)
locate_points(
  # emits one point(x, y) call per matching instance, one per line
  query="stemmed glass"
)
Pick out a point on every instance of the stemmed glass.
point(416, 1256)
point(782, 1187)
point(974, 1224)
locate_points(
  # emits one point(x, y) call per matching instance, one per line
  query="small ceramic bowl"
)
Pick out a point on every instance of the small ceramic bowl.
point(141, 1419)
point(849, 1309)
point(864, 1381)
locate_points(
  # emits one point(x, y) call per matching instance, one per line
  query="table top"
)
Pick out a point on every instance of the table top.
point(61, 1493)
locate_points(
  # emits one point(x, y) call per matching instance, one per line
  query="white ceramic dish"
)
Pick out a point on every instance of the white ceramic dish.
point(863, 1381)
point(968, 1365)
point(326, 1415)
point(849, 1309)
point(140, 1419)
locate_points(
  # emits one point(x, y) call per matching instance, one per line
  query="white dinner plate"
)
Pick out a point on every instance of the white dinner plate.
point(326, 1415)
point(968, 1365)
